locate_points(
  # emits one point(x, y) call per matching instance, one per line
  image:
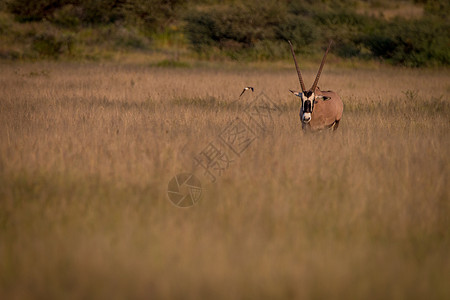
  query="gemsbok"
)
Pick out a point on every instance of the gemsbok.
point(320, 109)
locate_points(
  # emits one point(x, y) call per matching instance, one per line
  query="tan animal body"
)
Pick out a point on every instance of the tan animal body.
point(320, 109)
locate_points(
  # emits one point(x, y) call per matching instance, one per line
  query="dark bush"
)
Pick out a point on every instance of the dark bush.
point(299, 29)
point(154, 15)
point(200, 30)
point(232, 28)
point(128, 38)
point(412, 43)
point(340, 17)
point(151, 14)
point(49, 45)
point(102, 11)
point(36, 10)
point(68, 16)
point(439, 8)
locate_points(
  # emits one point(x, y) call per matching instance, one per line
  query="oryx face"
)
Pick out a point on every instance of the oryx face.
point(307, 107)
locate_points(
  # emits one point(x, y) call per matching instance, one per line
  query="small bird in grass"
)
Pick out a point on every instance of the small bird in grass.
point(247, 88)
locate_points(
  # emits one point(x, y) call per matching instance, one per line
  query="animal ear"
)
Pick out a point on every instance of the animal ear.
point(324, 98)
point(298, 94)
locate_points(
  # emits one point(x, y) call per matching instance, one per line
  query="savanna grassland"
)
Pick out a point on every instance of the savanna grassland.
point(87, 150)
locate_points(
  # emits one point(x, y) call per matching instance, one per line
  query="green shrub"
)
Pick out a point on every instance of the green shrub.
point(68, 16)
point(151, 14)
point(129, 38)
point(102, 11)
point(50, 45)
point(439, 8)
point(232, 28)
point(298, 29)
point(5, 23)
point(36, 10)
point(154, 15)
point(412, 43)
point(200, 30)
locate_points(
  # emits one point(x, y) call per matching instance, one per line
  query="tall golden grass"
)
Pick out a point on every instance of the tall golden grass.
point(87, 150)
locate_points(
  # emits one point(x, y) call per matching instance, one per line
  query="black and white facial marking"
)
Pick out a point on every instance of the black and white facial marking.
point(307, 105)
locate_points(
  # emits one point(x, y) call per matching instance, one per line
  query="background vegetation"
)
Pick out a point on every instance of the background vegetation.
point(409, 33)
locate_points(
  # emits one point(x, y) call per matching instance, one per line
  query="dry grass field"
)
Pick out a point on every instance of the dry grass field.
point(87, 151)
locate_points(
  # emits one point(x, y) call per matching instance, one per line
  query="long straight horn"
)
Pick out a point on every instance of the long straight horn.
point(298, 70)
point(313, 88)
